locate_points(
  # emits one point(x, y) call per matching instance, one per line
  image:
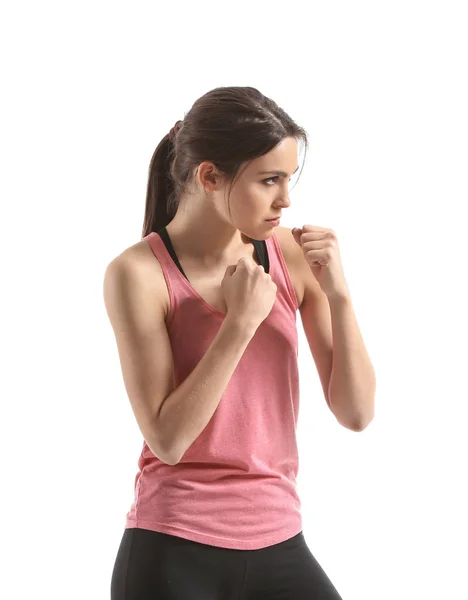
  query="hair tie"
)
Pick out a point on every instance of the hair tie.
point(175, 130)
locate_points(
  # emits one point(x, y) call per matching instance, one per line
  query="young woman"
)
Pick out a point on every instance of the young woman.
point(204, 313)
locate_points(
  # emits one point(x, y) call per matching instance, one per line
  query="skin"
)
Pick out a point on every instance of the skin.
point(210, 230)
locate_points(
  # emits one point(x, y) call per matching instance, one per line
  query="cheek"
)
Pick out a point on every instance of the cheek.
point(251, 198)
point(251, 201)
point(261, 193)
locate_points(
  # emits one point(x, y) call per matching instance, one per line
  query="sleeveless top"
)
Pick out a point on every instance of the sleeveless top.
point(235, 486)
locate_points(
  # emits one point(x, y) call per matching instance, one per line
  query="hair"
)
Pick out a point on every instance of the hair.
point(227, 126)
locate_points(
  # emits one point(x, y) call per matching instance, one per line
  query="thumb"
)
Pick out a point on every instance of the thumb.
point(296, 232)
point(230, 270)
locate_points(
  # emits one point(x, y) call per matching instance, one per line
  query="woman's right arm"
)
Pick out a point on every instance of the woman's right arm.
point(170, 419)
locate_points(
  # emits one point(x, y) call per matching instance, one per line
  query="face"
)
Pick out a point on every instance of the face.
point(258, 194)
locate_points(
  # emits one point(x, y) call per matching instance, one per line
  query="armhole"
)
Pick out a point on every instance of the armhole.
point(289, 284)
point(163, 284)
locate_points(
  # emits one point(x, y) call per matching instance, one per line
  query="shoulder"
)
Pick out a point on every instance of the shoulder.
point(138, 263)
point(287, 242)
point(139, 257)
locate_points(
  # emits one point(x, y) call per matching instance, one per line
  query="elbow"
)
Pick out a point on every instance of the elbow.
point(357, 424)
point(362, 423)
point(165, 457)
point(171, 459)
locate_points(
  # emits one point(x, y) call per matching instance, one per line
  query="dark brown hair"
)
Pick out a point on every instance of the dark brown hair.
point(227, 126)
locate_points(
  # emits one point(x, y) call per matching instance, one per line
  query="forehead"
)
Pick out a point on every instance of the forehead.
point(282, 157)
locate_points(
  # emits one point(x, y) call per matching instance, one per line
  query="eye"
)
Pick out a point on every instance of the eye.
point(274, 178)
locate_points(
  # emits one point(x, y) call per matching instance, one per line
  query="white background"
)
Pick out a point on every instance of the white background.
point(89, 90)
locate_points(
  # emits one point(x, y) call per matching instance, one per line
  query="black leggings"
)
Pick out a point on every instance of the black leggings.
point(156, 566)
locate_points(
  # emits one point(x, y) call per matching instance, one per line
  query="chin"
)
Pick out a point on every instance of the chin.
point(259, 234)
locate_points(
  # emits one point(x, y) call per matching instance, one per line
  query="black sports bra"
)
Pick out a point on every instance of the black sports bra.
point(260, 247)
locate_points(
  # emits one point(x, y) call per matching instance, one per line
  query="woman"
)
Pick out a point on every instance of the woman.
point(204, 313)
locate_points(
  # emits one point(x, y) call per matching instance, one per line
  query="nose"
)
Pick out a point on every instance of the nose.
point(284, 201)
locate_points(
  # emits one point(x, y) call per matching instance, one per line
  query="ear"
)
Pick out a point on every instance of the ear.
point(209, 176)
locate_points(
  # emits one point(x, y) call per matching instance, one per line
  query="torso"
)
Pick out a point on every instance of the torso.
point(208, 283)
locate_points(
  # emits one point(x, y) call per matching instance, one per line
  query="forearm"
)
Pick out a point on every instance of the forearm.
point(352, 382)
point(187, 410)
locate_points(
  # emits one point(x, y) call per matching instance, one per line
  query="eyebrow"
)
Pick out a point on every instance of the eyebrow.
point(281, 173)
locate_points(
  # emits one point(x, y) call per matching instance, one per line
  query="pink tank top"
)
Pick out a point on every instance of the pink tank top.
point(235, 486)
